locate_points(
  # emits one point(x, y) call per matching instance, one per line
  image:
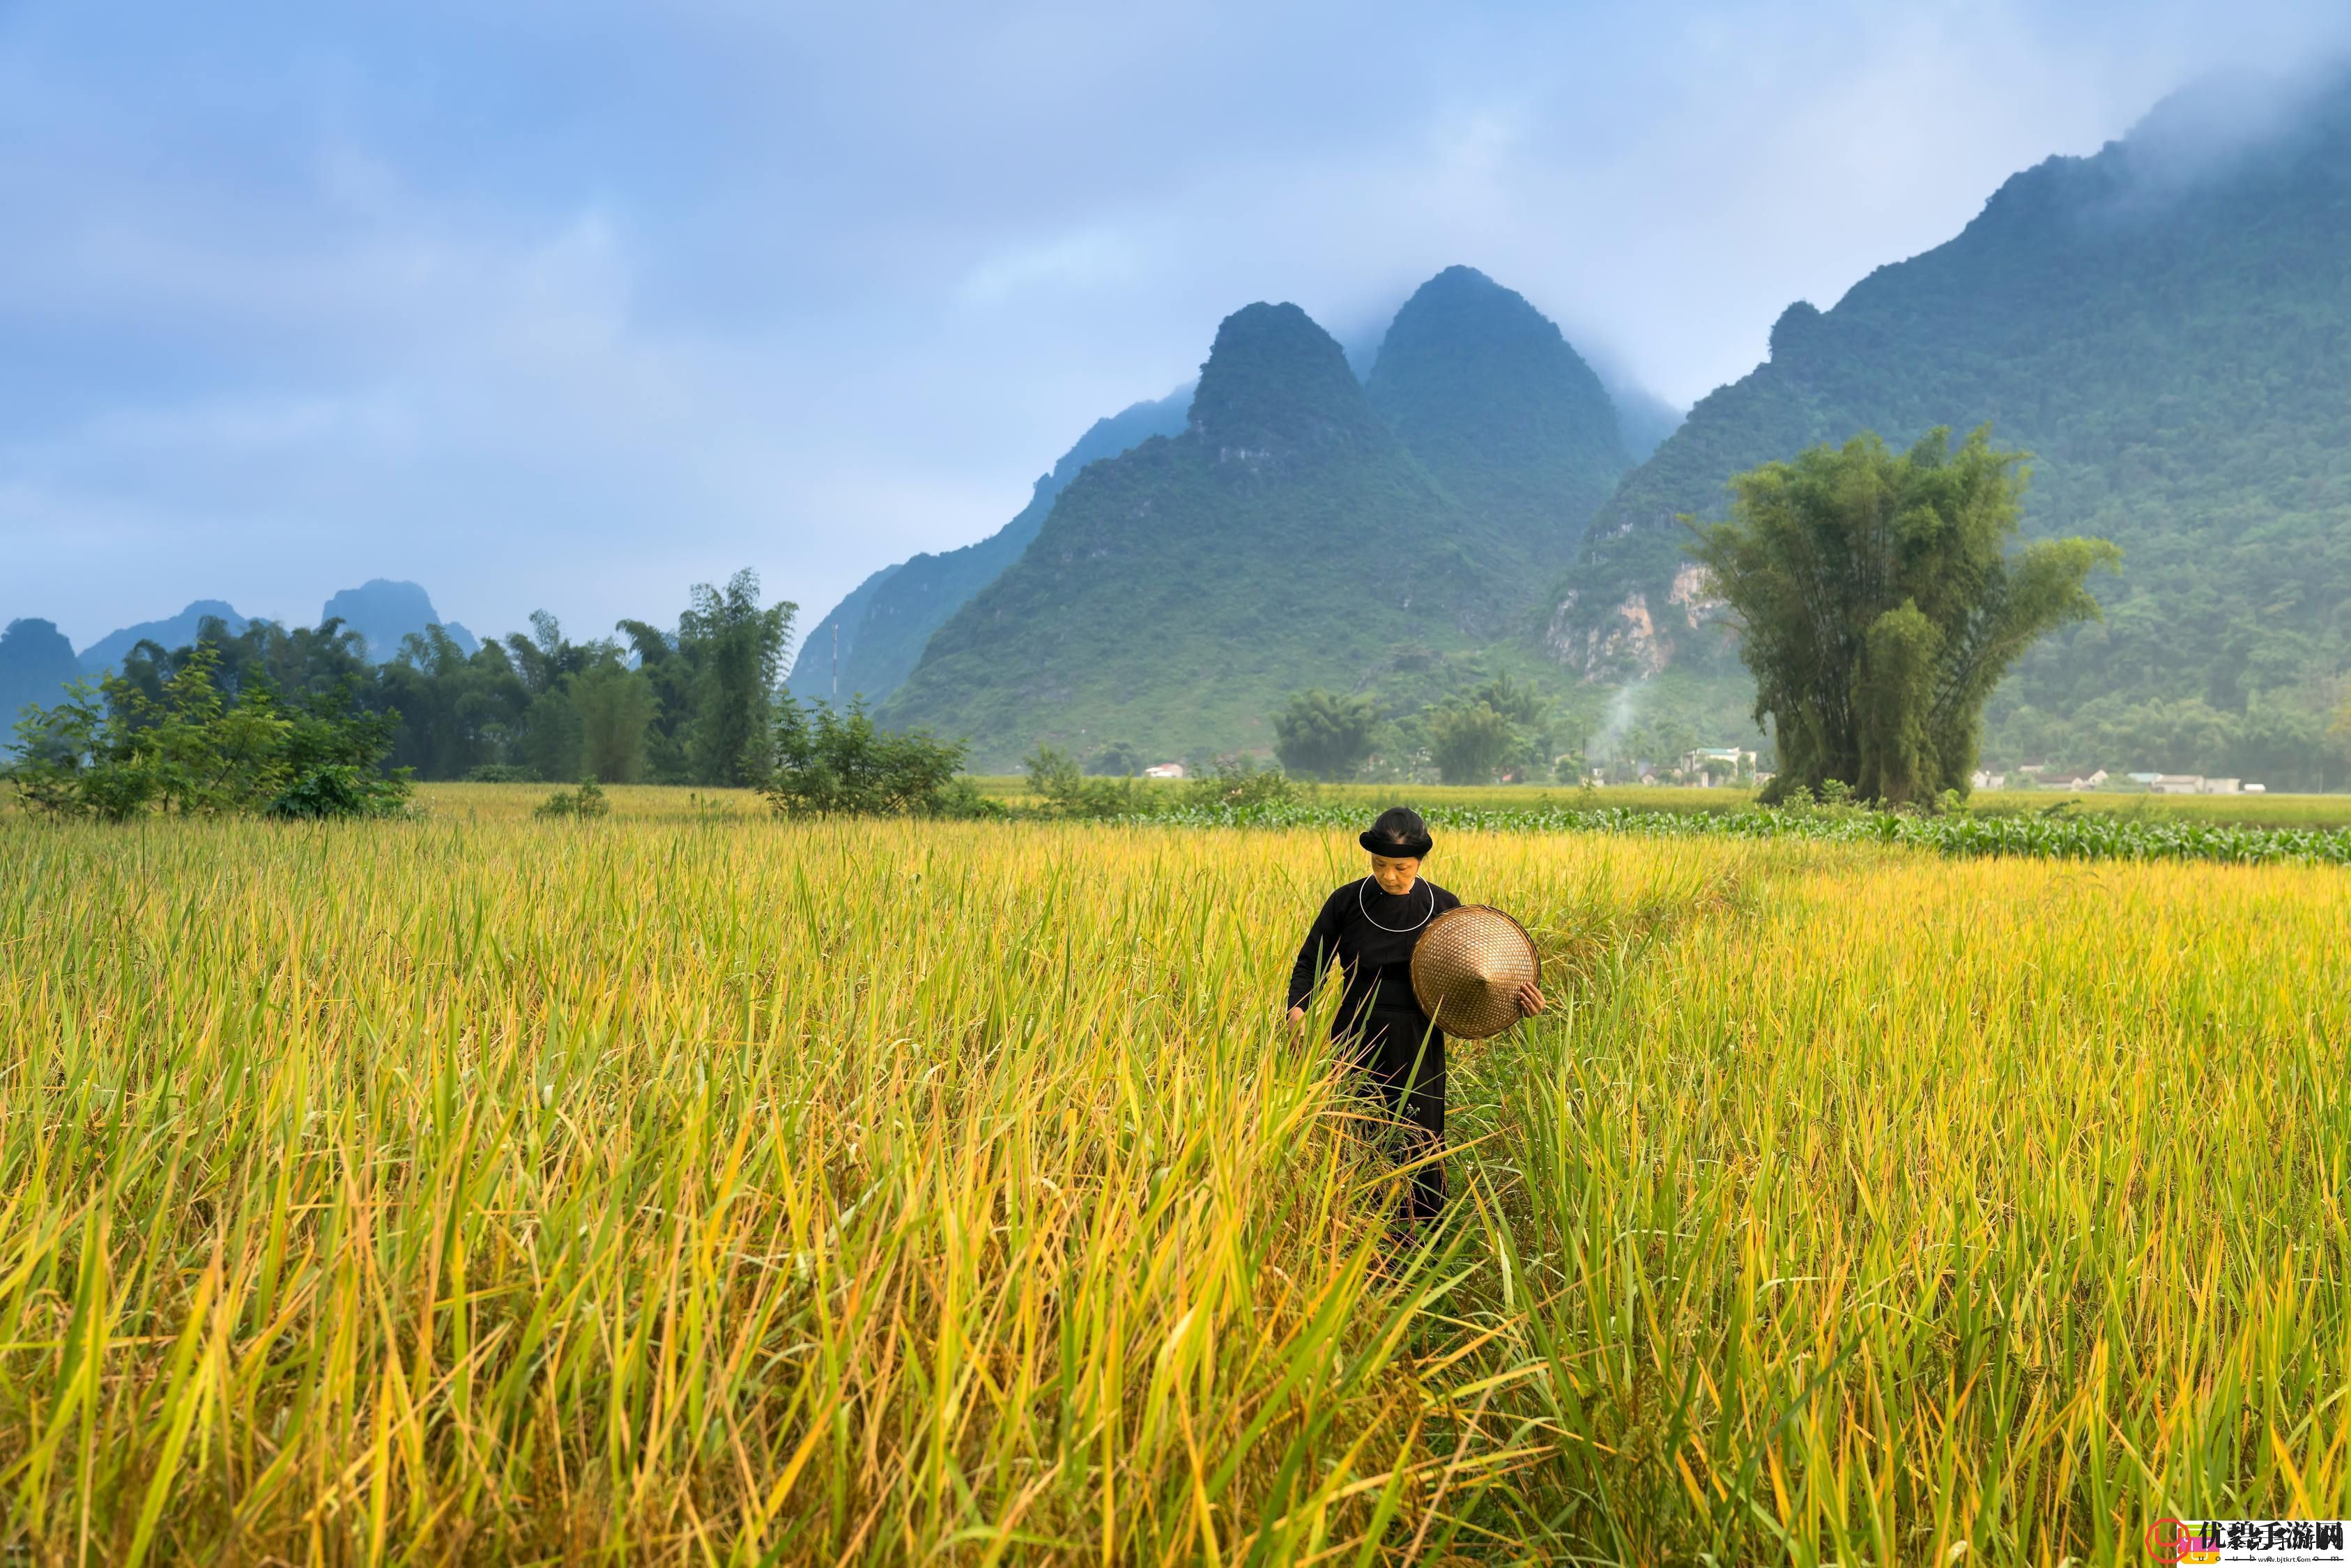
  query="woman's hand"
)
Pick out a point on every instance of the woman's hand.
point(1298, 1020)
point(1530, 1000)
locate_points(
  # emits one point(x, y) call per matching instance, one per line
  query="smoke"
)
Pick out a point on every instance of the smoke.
point(1624, 706)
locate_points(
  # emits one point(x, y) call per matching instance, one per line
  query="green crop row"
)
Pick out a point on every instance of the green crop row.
point(2098, 837)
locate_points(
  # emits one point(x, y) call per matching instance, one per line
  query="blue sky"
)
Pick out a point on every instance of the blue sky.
point(575, 305)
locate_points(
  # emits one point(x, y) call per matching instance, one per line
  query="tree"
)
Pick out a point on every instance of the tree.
point(1119, 759)
point(1323, 736)
point(192, 749)
point(616, 707)
point(458, 713)
point(1529, 713)
point(737, 651)
point(1471, 741)
point(1879, 606)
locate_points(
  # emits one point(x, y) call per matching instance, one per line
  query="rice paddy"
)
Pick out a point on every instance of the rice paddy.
point(691, 1186)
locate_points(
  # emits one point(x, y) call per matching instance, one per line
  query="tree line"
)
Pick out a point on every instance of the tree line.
point(696, 704)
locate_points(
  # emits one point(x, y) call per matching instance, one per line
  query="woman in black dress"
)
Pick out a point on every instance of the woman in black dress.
point(1370, 926)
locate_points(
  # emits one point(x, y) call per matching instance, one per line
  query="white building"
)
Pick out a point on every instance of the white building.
point(2217, 786)
point(2176, 784)
point(2076, 781)
point(1164, 771)
point(1728, 762)
point(1982, 778)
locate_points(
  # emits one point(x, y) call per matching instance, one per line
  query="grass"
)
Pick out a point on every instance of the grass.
point(689, 1186)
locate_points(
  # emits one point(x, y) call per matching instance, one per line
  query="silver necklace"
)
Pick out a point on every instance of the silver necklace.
point(1366, 912)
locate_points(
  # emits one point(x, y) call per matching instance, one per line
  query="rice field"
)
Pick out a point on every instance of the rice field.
point(690, 1186)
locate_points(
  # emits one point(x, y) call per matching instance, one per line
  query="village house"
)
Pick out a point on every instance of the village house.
point(1982, 778)
point(1164, 771)
point(2176, 784)
point(2074, 781)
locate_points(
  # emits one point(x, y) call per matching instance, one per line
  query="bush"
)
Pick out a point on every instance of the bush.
point(830, 764)
point(1238, 782)
point(1054, 779)
point(497, 773)
point(588, 800)
point(337, 790)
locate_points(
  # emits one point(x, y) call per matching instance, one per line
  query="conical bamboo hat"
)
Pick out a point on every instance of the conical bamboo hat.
point(1466, 969)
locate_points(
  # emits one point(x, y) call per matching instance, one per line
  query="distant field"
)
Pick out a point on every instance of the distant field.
point(2250, 810)
point(475, 1189)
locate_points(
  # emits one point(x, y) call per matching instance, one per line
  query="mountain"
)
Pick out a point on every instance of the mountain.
point(835, 637)
point(885, 622)
point(2166, 326)
point(36, 662)
point(1485, 393)
point(177, 631)
point(383, 612)
point(1285, 539)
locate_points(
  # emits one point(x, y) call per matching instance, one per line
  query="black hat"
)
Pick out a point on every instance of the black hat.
point(1399, 833)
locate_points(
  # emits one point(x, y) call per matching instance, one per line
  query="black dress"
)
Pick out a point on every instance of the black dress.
point(1372, 933)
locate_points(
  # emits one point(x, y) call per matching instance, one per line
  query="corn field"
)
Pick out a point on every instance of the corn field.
point(686, 1187)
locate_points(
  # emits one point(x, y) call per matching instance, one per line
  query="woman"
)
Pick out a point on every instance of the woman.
point(1370, 928)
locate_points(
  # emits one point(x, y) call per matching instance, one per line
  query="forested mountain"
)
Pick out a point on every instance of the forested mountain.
point(36, 662)
point(2166, 327)
point(1482, 388)
point(384, 612)
point(887, 619)
point(174, 632)
point(1303, 530)
point(1285, 539)
point(836, 635)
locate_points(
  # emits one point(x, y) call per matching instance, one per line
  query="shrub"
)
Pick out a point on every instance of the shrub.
point(1054, 779)
point(497, 773)
point(588, 800)
point(1238, 782)
point(832, 764)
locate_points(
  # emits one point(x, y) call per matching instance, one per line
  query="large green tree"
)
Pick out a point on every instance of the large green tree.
point(1878, 604)
point(1325, 735)
point(736, 647)
point(1470, 740)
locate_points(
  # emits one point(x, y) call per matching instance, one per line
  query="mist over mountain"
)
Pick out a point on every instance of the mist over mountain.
point(383, 612)
point(2166, 326)
point(1302, 529)
point(36, 662)
point(886, 620)
point(1644, 419)
point(173, 632)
